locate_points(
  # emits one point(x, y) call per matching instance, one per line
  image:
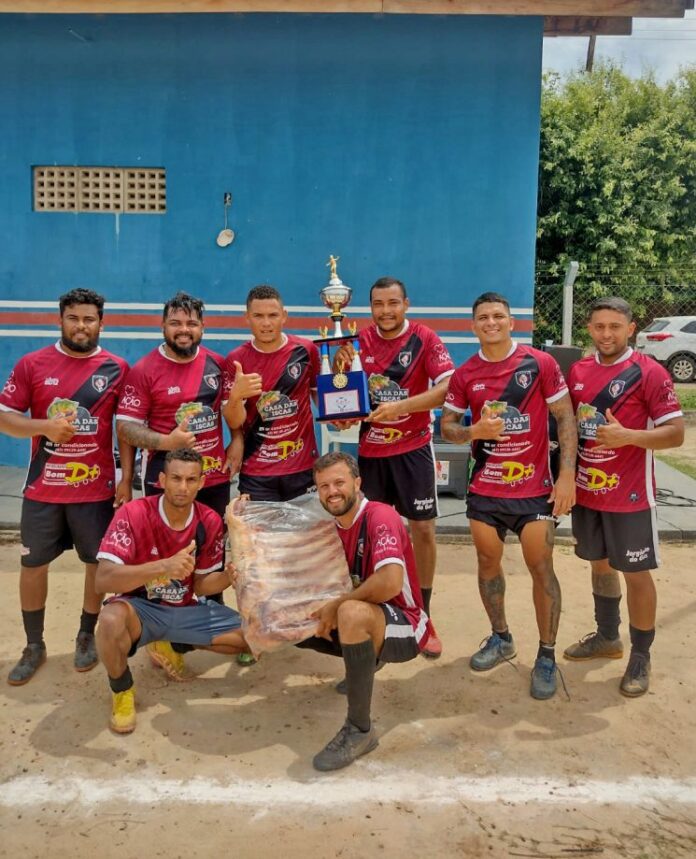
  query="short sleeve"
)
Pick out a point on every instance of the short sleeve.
point(135, 400)
point(438, 361)
point(553, 383)
point(456, 397)
point(16, 394)
point(660, 396)
point(386, 535)
point(119, 542)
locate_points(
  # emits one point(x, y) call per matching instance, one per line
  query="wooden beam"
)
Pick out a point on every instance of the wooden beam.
point(553, 8)
point(573, 25)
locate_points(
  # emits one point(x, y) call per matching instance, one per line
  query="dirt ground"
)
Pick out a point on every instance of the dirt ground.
point(467, 766)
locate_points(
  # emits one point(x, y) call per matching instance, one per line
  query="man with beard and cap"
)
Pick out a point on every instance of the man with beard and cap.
point(172, 399)
point(70, 390)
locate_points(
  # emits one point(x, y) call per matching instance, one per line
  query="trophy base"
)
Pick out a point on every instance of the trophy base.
point(346, 402)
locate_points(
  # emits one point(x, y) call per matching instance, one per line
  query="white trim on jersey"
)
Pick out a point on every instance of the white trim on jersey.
point(557, 396)
point(626, 355)
point(4, 408)
point(655, 535)
point(59, 348)
point(670, 417)
point(454, 408)
point(361, 510)
point(133, 420)
point(107, 556)
point(385, 561)
point(163, 516)
point(443, 376)
point(404, 329)
point(207, 570)
point(284, 339)
point(160, 349)
point(512, 351)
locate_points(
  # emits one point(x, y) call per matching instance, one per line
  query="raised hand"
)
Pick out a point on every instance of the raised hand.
point(180, 437)
point(245, 385)
point(182, 564)
point(489, 427)
point(62, 429)
point(612, 434)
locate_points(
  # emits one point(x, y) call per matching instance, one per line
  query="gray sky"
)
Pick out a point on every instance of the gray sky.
point(660, 44)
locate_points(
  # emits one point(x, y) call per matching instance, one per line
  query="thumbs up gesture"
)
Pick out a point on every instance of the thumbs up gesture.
point(489, 427)
point(181, 565)
point(245, 385)
point(612, 434)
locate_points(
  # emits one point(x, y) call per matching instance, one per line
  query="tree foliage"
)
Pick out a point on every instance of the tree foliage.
point(617, 193)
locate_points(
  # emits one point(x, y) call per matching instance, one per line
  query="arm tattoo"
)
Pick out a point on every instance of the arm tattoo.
point(493, 597)
point(139, 435)
point(562, 410)
point(451, 428)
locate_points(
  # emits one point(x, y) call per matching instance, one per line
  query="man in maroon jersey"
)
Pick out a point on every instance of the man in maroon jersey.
point(383, 617)
point(272, 379)
point(625, 408)
point(510, 389)
point(159, 555)
point(70, 390)
point(408, 369)
point(172, 398)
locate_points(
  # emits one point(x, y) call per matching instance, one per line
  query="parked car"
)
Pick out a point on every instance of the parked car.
point(671, 340)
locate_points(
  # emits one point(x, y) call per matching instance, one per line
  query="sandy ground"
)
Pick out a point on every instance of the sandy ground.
point(468, 765)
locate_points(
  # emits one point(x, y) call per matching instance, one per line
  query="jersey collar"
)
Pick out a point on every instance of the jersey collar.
point(488, 360)
point(361, 510)
point(626, 355)
point(59, 348)
point(404, 329)
point(163, 515)
point(163, 353)
point(262, 352)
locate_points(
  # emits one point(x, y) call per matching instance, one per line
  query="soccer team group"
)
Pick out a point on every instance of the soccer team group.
point(161, 557)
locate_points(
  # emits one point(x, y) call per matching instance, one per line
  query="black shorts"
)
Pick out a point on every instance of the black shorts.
point(627, 540)
point(400, 643)
point(284, 487)
point(217, 497)
point(405, 480)
point(47, 530)
point(509, 514)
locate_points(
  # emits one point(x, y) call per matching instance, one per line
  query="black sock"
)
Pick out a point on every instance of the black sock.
point(122, 683)
point(606, 612)
point(641, 639)
point(360, 672)
point(547, 650)
point(426, 593)
point(504, 635)
point(88, 621)
point(34, 625)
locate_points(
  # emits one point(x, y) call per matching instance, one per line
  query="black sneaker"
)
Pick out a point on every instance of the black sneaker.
point(348, 744)
point(33, 657)
point(342, 687)
point(85, 651)
point(636, 679)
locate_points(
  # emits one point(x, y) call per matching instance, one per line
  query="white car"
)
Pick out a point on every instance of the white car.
point(671, 340)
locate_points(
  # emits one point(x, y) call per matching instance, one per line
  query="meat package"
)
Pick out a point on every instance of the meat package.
point(289, 561)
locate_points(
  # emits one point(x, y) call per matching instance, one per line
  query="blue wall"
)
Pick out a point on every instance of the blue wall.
point(406, 144)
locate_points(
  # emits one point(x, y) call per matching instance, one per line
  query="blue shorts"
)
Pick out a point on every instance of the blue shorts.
point(195, 624)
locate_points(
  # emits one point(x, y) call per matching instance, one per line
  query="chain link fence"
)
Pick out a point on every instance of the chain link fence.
point(648, 302)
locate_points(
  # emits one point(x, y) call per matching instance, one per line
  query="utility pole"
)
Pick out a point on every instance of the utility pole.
point(590, 53)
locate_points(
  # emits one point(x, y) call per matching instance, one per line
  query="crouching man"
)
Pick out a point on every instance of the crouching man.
point(159, 555)
point(382, 618)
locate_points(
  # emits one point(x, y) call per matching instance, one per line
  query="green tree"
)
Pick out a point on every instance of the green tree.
point(617, 193)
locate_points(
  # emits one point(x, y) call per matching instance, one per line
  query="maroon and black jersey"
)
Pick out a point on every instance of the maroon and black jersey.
point(162, 392)
point(140, 533)
point(640, 394)
point(517, 389)
point(279, 427)
point(49, 383)
point(378, 537)
point(396, 369)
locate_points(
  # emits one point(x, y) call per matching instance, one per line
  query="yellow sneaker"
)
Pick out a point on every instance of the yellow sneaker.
point(123, 711)
point(162, 655)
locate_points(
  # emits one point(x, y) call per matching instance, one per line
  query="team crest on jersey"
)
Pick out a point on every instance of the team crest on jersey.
point(100, 383)
point(295, 371)
point(524, 379)
point(616, 387)
point(405, 359)
point(212, 381)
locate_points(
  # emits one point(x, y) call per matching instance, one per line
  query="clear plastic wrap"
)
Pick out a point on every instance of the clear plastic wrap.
point(290, 561)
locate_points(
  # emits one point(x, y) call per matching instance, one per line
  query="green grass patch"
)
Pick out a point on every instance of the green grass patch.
point(686, 466)
point(687, 400)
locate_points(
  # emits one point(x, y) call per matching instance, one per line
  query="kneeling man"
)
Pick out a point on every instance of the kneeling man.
point(382, 618)
point(159, 555)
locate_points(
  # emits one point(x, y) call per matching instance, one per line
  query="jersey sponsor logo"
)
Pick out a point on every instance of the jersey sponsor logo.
point(82, 420)
point(524, 379)
point(514, 420)
point(596, 480)
point(281, 450)
point(405, 359)
point(169, 590)
point(130, 400)
point(49, 380)
point(636, 556)
point(423, 504)
point(578, 386)
point(479, 386)
point(441, 354)
point(174, 389)
point(383, 435)
point(507, 472)
point(667, 394)
point(100, 383)
point(72, 473)
point(9, 386)
point(154, 550)
point(120, 536)
point(369, 359)
point(616, 387)
point(200, 418)
point(211, 463)
point(295, 370)
point(384, 540)
point(272, 405)
point(212, 381)
point(385, 390)
point(588, 419)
